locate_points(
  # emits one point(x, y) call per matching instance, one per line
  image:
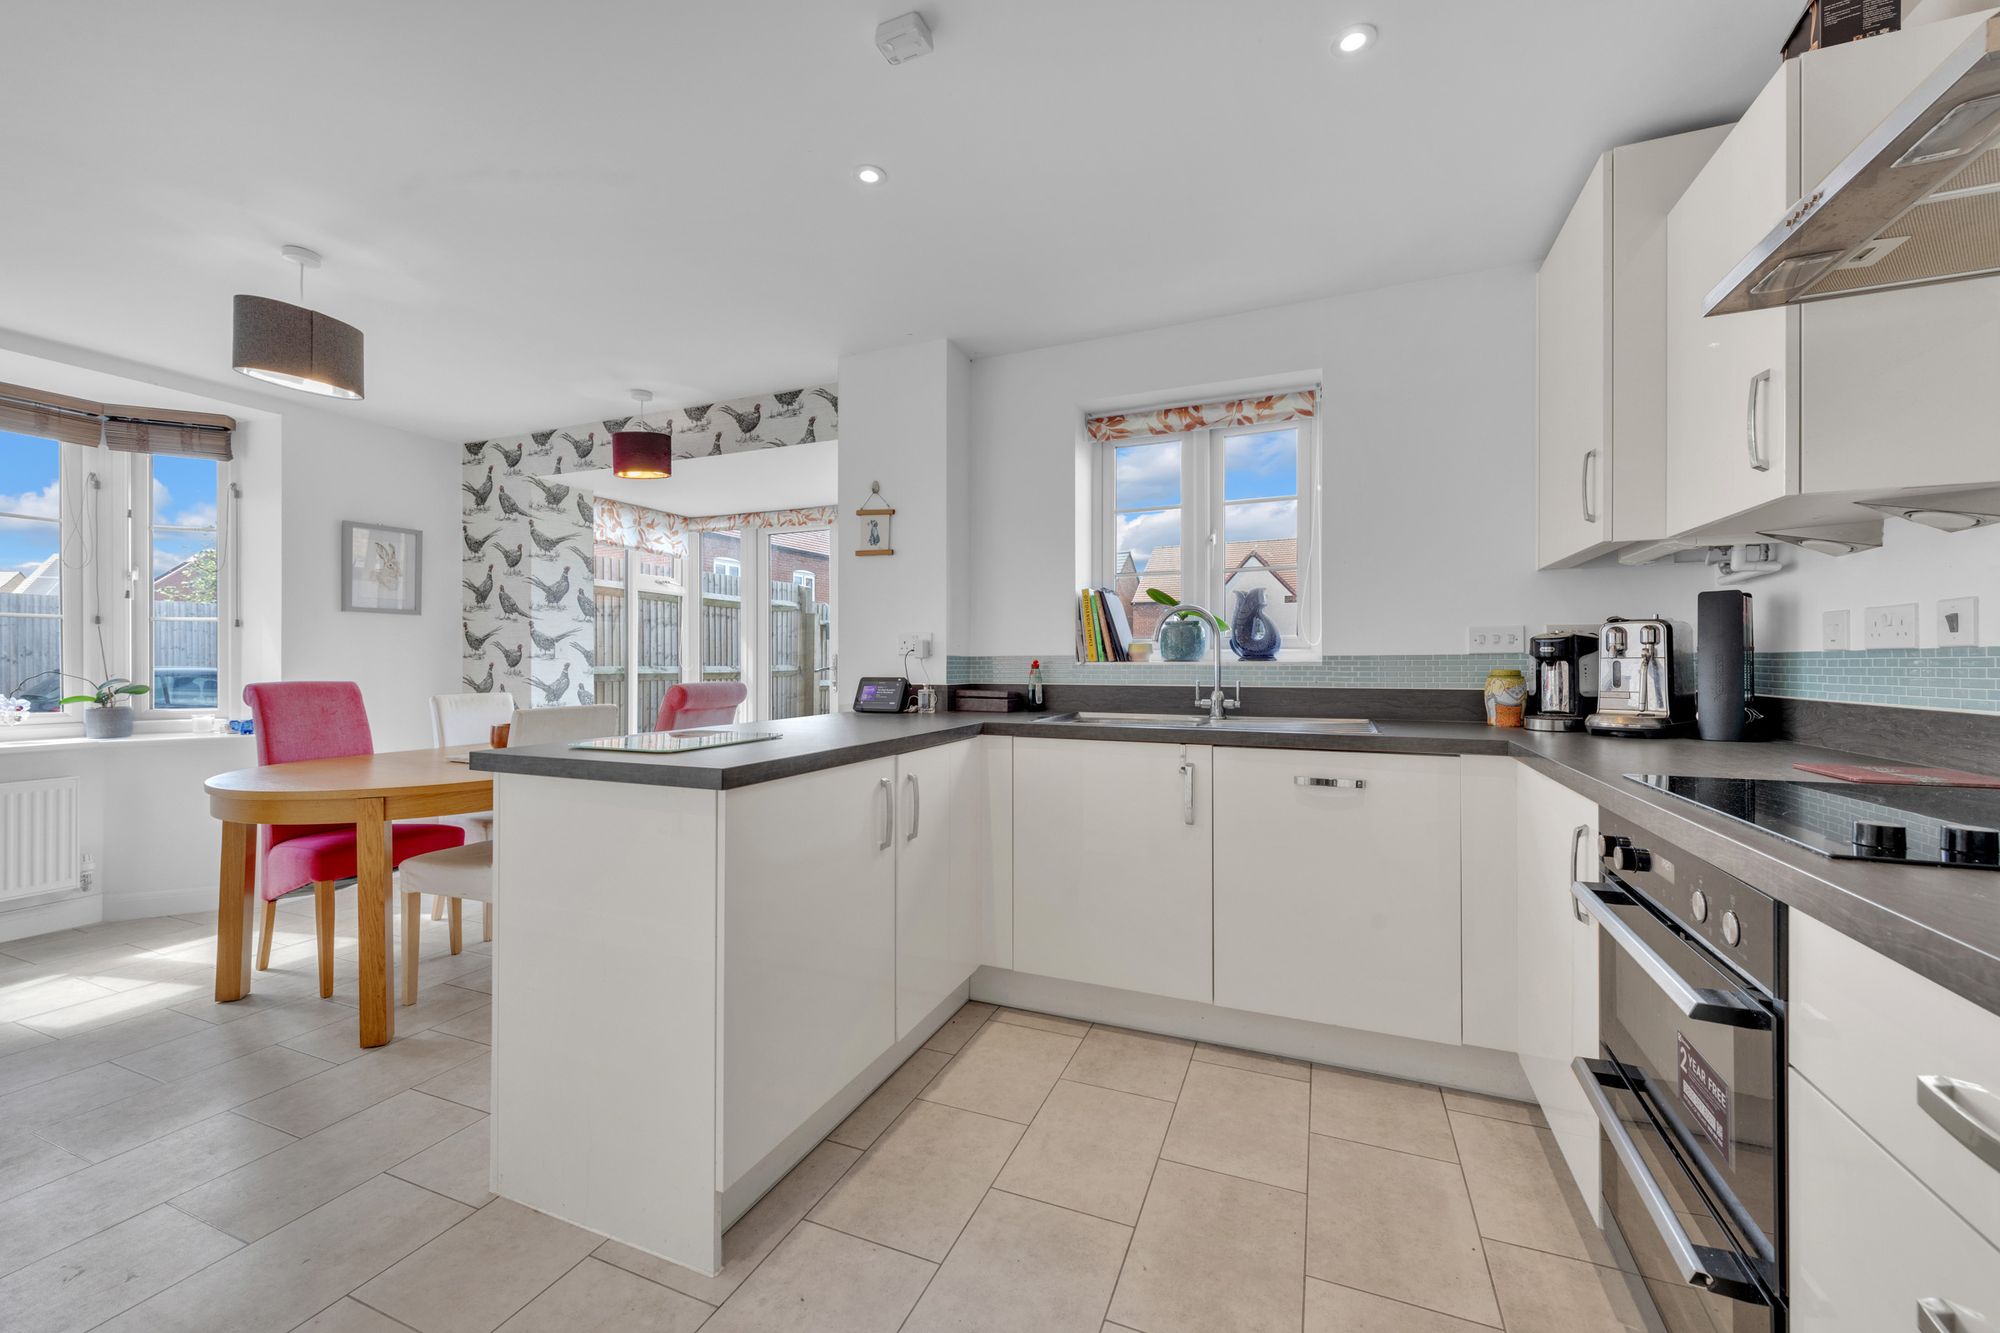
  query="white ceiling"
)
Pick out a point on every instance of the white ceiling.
point(531, 207)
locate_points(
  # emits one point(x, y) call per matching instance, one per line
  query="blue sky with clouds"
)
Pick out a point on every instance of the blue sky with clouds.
point(1257, 467)
point(183, 497)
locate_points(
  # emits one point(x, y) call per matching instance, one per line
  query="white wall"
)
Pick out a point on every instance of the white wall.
point(899, 425)
point(336, 469)
point(1427, 449)
point(1914, 564)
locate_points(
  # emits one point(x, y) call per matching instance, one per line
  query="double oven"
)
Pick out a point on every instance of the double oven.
point(1689, 1081)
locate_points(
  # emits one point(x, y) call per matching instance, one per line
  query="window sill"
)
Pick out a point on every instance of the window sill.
point(30, 738)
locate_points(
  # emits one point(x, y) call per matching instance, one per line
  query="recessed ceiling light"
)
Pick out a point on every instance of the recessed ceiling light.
point(869, 174)
point(1356, 39)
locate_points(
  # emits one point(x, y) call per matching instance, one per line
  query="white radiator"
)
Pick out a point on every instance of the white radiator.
point(38, 837)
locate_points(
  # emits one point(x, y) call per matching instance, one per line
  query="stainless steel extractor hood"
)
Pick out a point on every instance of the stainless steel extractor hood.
point(1917, 202)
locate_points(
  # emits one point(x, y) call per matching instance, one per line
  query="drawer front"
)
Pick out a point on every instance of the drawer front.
point(1870, 1245)
point(1868, 1031)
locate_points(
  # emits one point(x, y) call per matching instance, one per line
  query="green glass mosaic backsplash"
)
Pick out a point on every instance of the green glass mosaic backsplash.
point(1954, 678)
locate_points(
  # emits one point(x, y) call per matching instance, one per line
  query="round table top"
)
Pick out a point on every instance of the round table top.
point(391, 774)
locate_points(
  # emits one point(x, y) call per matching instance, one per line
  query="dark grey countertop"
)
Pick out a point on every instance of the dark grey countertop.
point(1941, 923)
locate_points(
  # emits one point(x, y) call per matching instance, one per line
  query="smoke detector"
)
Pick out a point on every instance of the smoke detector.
point(904, 37)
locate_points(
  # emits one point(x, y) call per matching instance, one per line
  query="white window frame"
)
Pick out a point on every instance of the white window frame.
point(107, 602)
point(1204, 456)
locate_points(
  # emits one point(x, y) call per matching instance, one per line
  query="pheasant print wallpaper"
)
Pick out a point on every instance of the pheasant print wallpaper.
point(529, 526)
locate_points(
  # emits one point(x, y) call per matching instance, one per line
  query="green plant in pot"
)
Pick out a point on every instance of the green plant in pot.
point(107, 718)
point(1184, 638)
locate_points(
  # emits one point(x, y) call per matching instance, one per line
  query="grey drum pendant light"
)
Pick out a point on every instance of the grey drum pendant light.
point(299, 348)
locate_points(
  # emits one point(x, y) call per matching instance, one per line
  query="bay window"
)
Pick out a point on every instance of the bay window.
point(114, 557)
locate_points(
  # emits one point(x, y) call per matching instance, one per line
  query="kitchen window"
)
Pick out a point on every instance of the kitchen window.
point(113, 556)
point(1211, 514)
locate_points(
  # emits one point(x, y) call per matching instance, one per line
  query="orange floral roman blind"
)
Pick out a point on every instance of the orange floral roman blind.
point(1261, 410)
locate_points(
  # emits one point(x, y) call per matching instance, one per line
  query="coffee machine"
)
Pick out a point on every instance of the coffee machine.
point(1562, 681)
point(1644, 669)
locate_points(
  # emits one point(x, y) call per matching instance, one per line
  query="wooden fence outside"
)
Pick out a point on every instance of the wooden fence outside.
point(184, 635)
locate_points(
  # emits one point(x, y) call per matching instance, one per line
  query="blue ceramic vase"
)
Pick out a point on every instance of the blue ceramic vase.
point(1252, 635)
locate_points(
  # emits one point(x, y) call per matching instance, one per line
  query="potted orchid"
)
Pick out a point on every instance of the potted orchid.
point(108, 718)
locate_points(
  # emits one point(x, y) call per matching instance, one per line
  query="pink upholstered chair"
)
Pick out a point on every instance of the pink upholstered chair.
point(706, 703)
point(319, 719)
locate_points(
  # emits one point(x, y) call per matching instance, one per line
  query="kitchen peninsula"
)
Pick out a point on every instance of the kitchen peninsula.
point(708, 960)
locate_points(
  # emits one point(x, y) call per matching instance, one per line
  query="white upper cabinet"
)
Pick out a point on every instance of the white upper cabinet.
point(1600, 355)
point(1732, 381)
point(1337, 889)
point(1842, 399)
point(1113, 848)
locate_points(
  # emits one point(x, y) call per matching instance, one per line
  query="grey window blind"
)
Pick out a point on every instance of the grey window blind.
point(132, 430)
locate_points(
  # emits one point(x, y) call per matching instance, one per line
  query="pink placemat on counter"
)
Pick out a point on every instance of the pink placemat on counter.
point(1900, 775)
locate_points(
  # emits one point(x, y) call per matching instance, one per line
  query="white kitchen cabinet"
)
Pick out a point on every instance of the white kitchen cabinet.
point(986, 805)
point(1339, 903)
point(939, 903)
point(1556, 996)
point(1842, 398)
point(1869, 1244)
point(1600, 354)
point(1732, 381)
point(809, 945)
point(1113, 844)
point(1868, 1031)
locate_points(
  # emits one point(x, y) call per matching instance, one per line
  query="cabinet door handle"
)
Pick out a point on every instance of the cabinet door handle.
point(1589, 458)
point(1349, 784)
point(1935, 1316)
point(1187, 792)
point(1753, 433)
point(1576, 837)
point(888, 816)
point(1940, 1098)
point(916, 806)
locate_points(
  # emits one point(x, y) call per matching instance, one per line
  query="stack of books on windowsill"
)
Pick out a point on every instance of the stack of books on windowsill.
point(1103, 632)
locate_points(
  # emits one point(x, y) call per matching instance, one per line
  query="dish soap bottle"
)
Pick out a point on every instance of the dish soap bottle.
point(1035, 683)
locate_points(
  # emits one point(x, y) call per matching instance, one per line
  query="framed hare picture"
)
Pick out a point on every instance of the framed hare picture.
point(381, 569)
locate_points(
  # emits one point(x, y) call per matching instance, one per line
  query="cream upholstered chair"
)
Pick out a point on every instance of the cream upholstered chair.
point(468, 719)
point(467, 872)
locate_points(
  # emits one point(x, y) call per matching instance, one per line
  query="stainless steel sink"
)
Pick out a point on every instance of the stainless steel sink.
point(1316, 726)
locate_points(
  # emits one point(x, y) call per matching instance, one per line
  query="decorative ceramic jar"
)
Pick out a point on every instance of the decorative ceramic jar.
point(1506, 696)
point(1253, 636)
point(1182, 639)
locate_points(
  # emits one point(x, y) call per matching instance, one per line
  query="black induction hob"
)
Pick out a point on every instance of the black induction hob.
point(1917, 825)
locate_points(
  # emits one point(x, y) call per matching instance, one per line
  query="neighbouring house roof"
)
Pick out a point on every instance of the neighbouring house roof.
point(42, 578)
point(1275, 557)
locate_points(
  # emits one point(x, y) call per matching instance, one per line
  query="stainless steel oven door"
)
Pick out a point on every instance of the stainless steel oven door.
point(1688, 1093)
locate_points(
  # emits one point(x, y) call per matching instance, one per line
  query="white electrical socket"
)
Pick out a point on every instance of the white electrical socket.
point(913, 645)
point(1890, 626)
point(1496, 639)
point(1958, 622)
point(1836, 631)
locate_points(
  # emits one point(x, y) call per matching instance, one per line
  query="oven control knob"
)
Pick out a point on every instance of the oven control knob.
point(1607, 843)
point(1732, 929)
point(1631, 858)
point(1965, 845)
point(1890, 841)
point(1698, 905)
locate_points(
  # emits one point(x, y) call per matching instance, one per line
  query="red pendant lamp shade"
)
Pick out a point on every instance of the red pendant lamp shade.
point(639, 450)
point(642, 453)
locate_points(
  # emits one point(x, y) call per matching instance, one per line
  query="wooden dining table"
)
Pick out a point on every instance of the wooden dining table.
point(369, 791)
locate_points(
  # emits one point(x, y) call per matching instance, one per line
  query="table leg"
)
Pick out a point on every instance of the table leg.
point(378, 946)
point(233, 916)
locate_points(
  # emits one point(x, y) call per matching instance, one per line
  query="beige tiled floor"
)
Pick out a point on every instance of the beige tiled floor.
point(167, 1163)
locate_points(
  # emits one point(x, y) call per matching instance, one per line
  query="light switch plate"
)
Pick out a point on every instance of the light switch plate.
point(1958, 622)
point(1496, 639)
point(1890, 626)
point(1836, 631)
